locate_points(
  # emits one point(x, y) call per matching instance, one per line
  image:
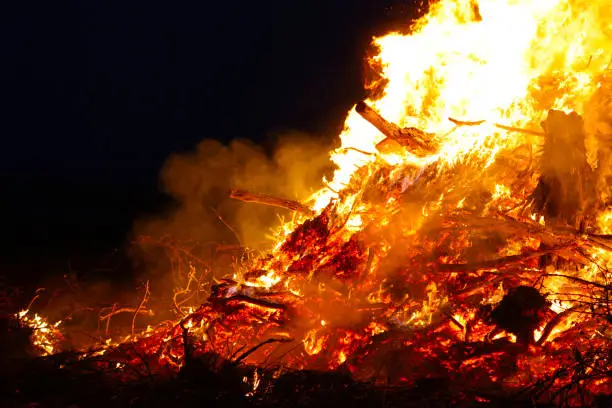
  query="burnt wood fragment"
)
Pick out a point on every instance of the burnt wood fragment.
point(520, 312)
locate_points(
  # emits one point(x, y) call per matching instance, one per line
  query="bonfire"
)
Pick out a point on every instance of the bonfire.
point(463, 237)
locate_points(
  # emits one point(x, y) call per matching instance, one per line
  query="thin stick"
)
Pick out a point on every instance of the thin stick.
point(466, 123)
point(358, 151)
point(266, 199)
point(144, 299)
point(34, 299)
point(227, 225)
point(520, 130)
point(496, 263)
point(257, 347)
point(115, 311)
point(108, 321)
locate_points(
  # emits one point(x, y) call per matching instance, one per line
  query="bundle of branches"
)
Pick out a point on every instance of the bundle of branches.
point(445, 264)
point(489, 277)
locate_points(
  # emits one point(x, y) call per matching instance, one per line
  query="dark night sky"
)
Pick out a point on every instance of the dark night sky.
point(99, 93)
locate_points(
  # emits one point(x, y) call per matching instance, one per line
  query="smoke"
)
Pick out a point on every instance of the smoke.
point(199, 183)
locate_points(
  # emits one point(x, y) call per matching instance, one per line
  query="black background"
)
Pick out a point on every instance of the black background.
point(97, 94)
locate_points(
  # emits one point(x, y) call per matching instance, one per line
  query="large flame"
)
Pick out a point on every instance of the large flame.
point(503, 61)
point(492, 61)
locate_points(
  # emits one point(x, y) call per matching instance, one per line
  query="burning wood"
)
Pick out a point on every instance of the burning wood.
point(468, 256)
point(451, 288)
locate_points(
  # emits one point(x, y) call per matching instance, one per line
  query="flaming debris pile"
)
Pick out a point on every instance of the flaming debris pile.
point(463, 236)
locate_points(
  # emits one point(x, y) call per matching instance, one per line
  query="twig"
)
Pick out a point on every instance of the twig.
point(106, 331)
point(116, 311)
point(168, 243)
point(227, 225)
point(35, 298)
point(144, 299)
point(497, 125)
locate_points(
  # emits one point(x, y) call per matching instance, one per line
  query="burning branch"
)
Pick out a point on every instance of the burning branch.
point(266, 199)
point(412, 138)
point(227, 225)
point(115, 312)
point(497, 125)
point(466, 123)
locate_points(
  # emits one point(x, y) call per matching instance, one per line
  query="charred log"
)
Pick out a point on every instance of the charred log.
point(520, 312)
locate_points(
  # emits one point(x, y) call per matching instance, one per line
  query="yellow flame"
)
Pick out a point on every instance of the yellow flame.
point(313, 342)
point(604, 222)
point(45, 336)
point(501, 61)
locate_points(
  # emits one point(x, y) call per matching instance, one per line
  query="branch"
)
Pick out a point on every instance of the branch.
point(114, 312)
point(266, 199)
point(144, 299)
point(227, 225)
point(520, 130)
point(496, 263)
point(257, 347)
point(497, 125)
